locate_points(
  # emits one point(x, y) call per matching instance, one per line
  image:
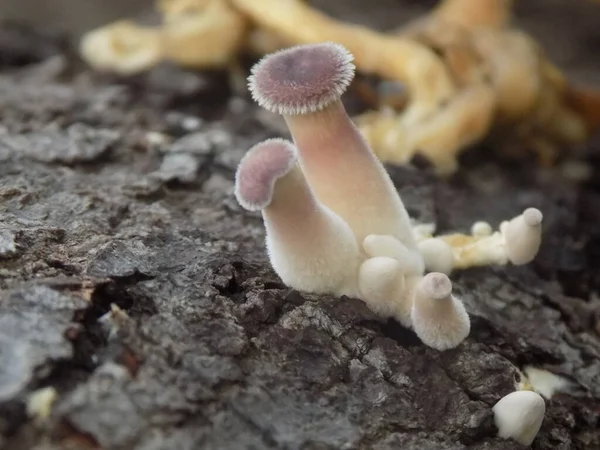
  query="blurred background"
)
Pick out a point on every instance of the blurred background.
point(569, 30)
point(75, 16)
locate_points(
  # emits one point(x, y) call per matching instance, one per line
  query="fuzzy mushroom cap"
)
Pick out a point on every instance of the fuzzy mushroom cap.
point(436, 286)
point(259, 169)
point(532, 217)
point(301, 79)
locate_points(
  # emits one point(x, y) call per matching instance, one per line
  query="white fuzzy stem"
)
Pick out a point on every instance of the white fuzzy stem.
point(310, 247)
point(346, 176)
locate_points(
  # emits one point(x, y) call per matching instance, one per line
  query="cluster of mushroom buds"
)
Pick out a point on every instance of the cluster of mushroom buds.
point(334, 221)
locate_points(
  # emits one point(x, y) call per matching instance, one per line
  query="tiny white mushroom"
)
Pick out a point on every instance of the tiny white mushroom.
point(380, 282)
point(523, 236)
point(519, 416)
point(439, 319)
point(481, 229)
point(437, 254)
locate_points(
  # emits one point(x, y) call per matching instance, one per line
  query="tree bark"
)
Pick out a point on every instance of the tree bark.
point(113, 192)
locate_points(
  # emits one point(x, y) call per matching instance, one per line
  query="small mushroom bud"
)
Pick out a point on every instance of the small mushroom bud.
point(382, 288)
point(523, 236)
point(438, 255)
point(310, 247)
point(481, 229)
point(305, 84)
point(439, 319)
point(519, 416)
point(411, 263)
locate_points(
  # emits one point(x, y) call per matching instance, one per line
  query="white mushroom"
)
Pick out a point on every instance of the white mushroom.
point(439, 319)
point(523, 236)
point(437, 254)
point(305, 84)
point(310, 247)
point(381, 286)
point(519, 416)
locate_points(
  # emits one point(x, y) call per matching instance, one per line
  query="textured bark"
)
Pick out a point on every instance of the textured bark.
point(215, 352)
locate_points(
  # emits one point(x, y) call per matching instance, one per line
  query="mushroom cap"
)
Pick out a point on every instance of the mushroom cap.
point(301, 79)
point(519, 416)
point(532, 217)
point(481, 228)
point(259, 169)
point(436, 286)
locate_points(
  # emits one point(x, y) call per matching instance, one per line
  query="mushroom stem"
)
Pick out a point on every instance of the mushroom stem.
point(523, 236)
point(439, 319)
point(309, 246)
point(476, 251)
point(381, 286)
point(463, 122)
point(347, 176)
point(202, 22)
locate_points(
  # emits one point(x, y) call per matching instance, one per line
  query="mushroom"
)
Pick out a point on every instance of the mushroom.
point(310, 247)
point(481, 229)
point(523, 236)
point(304, 83)
point(381, 286)
point(439, 319)
point(193, 33)
point(474, 13)
point(519, 416)
point(334, 221)
point(387, 56)
point(122, 47)
point(437, 254)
